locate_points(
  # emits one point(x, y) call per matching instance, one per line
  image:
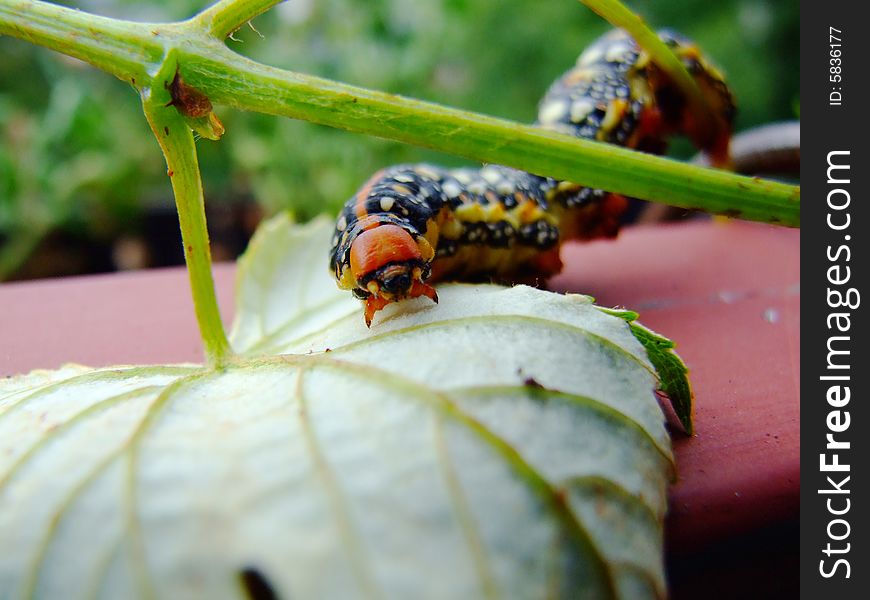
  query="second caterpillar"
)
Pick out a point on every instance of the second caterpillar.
point(412, 225)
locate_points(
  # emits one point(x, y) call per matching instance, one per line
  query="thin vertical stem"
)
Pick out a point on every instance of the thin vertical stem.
point(176, 140)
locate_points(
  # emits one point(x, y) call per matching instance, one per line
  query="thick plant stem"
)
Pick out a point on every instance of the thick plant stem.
point(176, 141)
point(239, 82)
point(122, 48)
point(208, 65)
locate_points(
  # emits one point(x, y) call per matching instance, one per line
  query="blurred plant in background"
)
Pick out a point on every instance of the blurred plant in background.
point(83, 185)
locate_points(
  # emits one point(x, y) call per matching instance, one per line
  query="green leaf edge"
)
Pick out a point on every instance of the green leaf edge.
point(671, 371)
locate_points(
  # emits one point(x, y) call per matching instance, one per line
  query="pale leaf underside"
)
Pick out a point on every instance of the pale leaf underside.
point(504, 443)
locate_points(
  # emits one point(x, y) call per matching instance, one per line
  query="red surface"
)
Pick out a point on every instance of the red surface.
point(727, 292)
point(141, 317)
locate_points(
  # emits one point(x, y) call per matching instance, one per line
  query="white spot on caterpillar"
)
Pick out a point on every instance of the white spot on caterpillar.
point(553, 112)
point(452, 188)
point(491, 174)
point(580, 109)
point(462, 176)
point(591, 55)
point(426, 172)
point(477, 187)
point(386, 203)
point(504, 187)
point(617, 51)
point(342, 223)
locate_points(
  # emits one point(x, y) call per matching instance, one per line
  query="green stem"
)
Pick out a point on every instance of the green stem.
point(224, 17)
point(235, 81)
point(176, 141)
point(122, 48)
point(227, 78)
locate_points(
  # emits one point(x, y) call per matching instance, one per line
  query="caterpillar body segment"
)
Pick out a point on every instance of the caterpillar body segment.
point(411, 225)
point(616, 94)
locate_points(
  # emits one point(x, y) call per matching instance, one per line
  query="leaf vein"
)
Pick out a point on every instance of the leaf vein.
point(68, 424)
point(337, 501)
point(537, 484)
point(97, 375)
point(128, 494)
point(463, 514)
point(76, 491)
point(598, 406)
point(491, 319)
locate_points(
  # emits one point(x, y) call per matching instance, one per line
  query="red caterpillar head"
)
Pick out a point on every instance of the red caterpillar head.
point(388, 266)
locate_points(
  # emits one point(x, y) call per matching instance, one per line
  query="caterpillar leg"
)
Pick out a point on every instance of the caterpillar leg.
point(374, 303)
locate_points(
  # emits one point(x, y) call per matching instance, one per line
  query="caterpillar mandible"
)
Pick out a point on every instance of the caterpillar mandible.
point(411, 225)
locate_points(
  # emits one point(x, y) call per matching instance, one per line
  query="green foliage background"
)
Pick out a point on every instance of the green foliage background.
point(76, 153)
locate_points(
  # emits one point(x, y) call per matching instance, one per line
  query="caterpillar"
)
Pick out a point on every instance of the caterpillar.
point(412, 225)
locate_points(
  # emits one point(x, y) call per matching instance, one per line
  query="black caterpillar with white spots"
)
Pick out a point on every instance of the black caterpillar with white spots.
point(410, 225)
